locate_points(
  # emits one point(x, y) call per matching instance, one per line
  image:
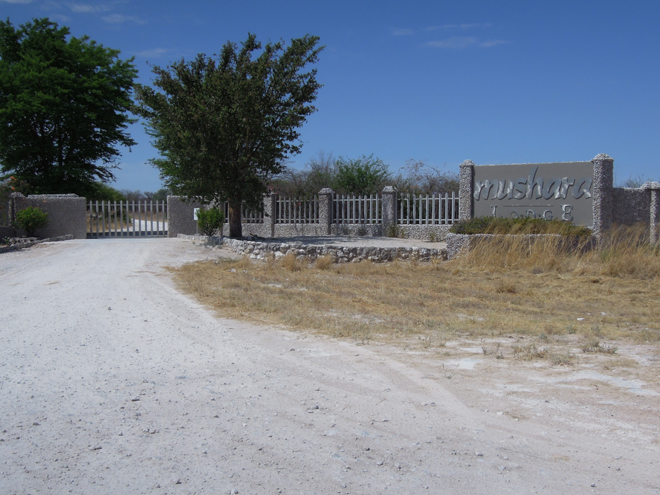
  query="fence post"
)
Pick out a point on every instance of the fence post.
point(270, 212)
point(654, 220)
point(325, 210)
point(465, 209)
point(389, 210)
point(602, 192)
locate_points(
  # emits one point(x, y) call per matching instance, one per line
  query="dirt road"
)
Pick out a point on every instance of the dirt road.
point(112, 382)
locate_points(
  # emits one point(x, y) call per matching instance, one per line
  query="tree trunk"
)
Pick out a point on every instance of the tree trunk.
point(235, 228)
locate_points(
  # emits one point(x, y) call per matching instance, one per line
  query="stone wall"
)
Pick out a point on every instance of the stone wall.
point(7, 232)
point(180, 218)
point(67, 213)
point(340, 254)
point(631, 205)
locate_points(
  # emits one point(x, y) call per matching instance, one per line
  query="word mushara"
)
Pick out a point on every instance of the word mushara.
point(542, 190)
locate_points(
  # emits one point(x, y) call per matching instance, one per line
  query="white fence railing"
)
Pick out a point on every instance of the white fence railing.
point(351, 209)
point(428, 210)
point(297, 210)
point(127, 218)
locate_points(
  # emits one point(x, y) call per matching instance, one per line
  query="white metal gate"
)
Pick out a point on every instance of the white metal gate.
point(126, 219)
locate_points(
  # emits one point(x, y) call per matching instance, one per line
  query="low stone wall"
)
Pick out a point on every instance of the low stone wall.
point(457, 243)
point(67, 213)
point(340, 254)
point(433, 233)
point(17, 243)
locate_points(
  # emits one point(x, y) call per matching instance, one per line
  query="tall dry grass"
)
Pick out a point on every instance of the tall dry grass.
point(507, 287)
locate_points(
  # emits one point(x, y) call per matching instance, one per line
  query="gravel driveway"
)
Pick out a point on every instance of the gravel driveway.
point(112, 382)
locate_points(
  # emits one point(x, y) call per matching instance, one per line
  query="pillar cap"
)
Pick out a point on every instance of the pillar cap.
point(389, 189)
point(326, 190)
point(602, 156)
point(649, 184)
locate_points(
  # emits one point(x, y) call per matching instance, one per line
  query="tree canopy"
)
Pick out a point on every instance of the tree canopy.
point(224, 127)
point(63, 108)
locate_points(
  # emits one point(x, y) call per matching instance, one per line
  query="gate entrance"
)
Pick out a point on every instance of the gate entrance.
point(126, 219)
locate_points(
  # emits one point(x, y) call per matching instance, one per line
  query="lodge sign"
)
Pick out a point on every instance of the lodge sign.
point(538, 190)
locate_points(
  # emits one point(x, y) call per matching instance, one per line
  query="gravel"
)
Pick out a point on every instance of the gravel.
point(158, 395)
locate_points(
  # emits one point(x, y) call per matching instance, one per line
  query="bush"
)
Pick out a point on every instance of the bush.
point(30, 219)
point(209, 220)
point(524, 225)
point(364, 175)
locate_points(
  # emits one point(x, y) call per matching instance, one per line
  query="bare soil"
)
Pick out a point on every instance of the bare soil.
point(112, 381)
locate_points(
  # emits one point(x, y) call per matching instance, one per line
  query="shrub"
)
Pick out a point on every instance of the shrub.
point(523, 225)
point(209, 220)
point(30, 219)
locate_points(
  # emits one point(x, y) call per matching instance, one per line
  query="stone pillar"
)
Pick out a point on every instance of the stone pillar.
point(389, 210)
point(602, 192)
point(270, 213)
point(654, 220)
point(326, 209)
point(466, 205)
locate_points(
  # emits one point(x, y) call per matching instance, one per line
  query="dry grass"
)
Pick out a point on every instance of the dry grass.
point(517, 289)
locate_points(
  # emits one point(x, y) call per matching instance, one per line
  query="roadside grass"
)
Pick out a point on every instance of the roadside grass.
point(542, 298)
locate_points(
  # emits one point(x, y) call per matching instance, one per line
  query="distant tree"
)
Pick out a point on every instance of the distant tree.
point(225, 127)
point(319, 172)
point(364, 175)
point(161, 195)
point(132, 195)
point(103, 192)
point(420, 178)
point(634, 182)
point(63, 108)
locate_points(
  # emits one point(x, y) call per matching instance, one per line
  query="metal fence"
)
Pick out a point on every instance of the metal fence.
point(297, 210)
point(428, 210)
point(352, 209)
point(126, 219)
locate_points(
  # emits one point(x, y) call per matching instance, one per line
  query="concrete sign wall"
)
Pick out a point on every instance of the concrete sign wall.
point(539, 190)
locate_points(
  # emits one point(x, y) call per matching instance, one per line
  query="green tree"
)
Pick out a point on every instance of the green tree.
point(364, 175)
point(63, 108)
point(225, 127)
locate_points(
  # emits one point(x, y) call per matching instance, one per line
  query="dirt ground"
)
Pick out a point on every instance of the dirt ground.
point(111, 381)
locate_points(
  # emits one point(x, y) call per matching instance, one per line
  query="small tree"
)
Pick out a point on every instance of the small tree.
point(225, 127)
point(30, 219)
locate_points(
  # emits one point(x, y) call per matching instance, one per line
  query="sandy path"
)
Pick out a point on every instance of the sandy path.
point(113, 382)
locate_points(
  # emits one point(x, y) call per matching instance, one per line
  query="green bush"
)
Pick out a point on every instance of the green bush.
point(30, 219)
point(209, 220)
point(523, 225)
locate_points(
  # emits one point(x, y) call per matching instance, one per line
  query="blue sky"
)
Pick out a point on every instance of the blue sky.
point(441, 81)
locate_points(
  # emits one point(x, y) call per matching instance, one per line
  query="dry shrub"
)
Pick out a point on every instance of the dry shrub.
point(291, 263)
point(624, 251)
point(323, 262)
